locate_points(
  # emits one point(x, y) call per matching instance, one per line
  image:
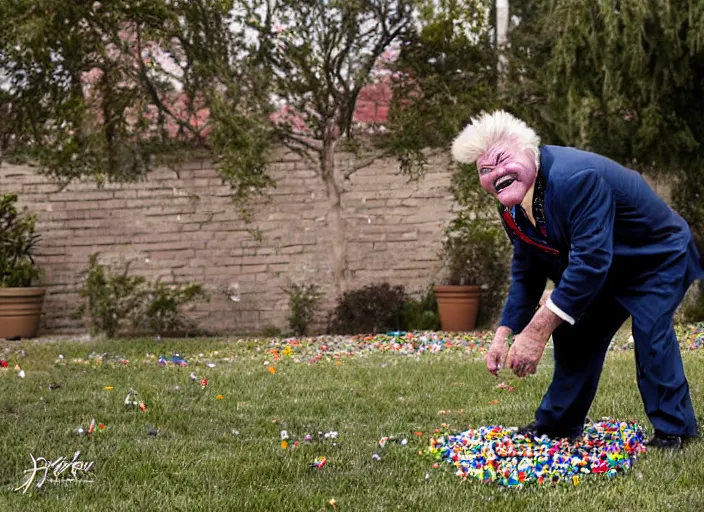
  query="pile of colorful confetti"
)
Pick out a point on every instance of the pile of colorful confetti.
point(495, 454)
point(691, 336)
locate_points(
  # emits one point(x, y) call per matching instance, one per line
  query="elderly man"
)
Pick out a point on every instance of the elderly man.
point(612, 247)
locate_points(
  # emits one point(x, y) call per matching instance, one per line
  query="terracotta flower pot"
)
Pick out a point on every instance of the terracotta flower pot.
point(20, 310)
point(458, 306)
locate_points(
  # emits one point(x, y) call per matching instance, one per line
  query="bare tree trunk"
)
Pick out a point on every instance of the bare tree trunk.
point(336, 224)
point(502, 15)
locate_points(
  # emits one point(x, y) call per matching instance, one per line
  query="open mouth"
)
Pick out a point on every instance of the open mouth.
point(504, 182)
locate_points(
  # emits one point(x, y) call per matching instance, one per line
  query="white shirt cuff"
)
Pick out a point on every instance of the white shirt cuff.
point(552, 307)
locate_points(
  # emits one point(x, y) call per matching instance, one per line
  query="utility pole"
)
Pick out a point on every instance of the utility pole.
point(502, 12)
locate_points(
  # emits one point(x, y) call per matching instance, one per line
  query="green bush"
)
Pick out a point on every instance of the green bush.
point(271, 331)
point(17, 243)
point(421, 315)
point(162, 311)
point(303, 302)
point(112, 300)
point(118, 301)
point(372, 309)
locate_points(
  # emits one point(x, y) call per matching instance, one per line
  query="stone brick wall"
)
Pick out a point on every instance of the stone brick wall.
point(186, 228)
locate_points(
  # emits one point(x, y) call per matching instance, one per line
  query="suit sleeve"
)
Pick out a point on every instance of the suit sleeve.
point(588, 208)
point(527, 285)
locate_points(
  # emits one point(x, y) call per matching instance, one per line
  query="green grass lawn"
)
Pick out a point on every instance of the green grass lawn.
point(226, 454)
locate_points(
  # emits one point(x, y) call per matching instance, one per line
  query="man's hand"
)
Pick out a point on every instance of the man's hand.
point(525, 353)
point(496, 356)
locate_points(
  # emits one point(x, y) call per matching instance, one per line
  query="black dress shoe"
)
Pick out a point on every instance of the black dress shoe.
point(531, 428)
point(665, 442)
point(536, 430)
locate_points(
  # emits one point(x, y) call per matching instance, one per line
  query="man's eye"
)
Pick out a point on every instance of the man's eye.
point(484, 170)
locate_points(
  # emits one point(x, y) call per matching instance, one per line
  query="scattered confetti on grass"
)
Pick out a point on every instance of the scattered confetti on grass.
point(187, 451)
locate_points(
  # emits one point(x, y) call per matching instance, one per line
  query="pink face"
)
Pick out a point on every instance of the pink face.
point(507, 173)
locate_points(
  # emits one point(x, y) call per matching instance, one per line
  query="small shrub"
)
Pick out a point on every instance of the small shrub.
point(116, 301)
point(162, 312)
point(271, 331)
point(112, 300)
point(303, 303)
point(372, 309)
point(17, 244)
point(421, 315)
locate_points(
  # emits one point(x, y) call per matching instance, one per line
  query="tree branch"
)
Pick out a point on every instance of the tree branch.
point(308, 143)
point(154, 95)
point(349, 171)
point(302, 152)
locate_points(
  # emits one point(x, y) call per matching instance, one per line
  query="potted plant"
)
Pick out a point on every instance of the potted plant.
point(476, 255)
point(21, 300)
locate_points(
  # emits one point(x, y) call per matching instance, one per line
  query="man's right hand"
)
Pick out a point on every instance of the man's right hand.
point(496, 356)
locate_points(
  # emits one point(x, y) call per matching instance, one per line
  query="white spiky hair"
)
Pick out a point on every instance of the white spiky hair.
point(487, 130)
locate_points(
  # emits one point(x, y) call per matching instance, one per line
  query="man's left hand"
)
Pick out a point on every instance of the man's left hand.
point(525, 353)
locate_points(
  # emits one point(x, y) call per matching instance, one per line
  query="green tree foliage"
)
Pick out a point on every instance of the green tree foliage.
point(318, 56)
point(106, 89)
point(630, 76)
point(627, 81)
point(445, 72)
point(99, 88)
point(621, 78)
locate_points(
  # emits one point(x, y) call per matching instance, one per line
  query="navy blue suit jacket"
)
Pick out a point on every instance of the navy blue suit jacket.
point(615, 236)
